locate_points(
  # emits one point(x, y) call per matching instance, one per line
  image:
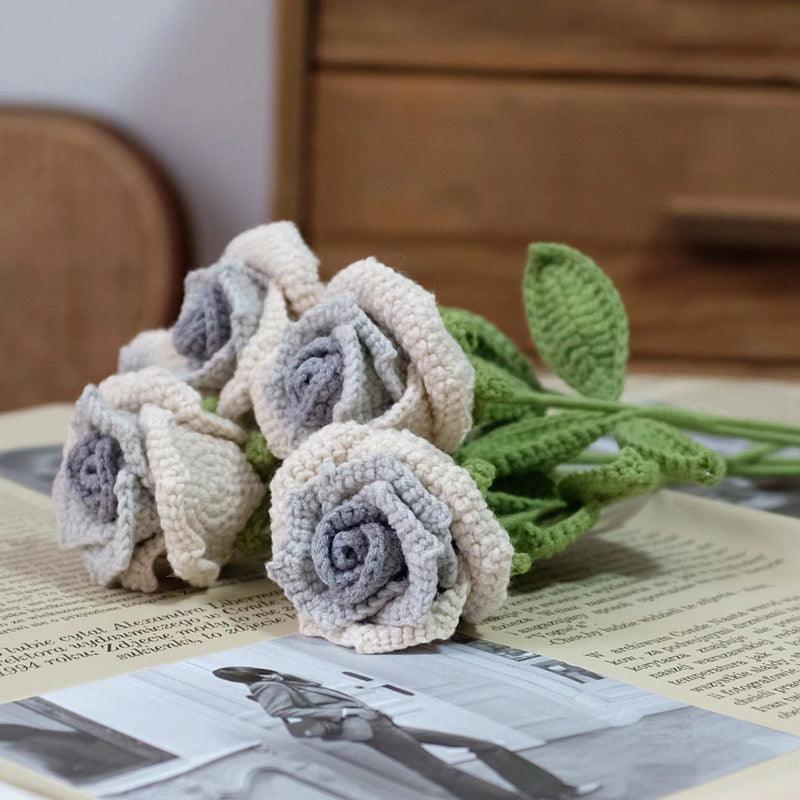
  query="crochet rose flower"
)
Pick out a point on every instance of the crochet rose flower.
point(375, 351)
point(381, 541)
point(147, 472)
point(226, 306)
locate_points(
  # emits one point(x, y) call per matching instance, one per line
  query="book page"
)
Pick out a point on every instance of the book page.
point(33, 427)
point(693, 598)
point(658, 655)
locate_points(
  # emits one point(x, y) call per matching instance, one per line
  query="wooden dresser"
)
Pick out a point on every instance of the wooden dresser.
point(662, 137)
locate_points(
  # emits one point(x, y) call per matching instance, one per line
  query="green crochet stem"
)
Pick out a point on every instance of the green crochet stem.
point(767, 468)
point(775, 433)
point(520, 456)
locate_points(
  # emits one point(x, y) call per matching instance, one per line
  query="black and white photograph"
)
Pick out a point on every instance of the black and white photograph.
point(301, 718)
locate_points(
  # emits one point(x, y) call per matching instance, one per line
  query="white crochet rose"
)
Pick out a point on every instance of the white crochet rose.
point(233, 312)
point(375, 351)
point(147, 472)
point(381, 541)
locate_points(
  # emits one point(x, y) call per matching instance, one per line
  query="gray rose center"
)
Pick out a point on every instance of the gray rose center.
point(92, 468)
point(202, 329)
point(314, 380)
point(355, 552)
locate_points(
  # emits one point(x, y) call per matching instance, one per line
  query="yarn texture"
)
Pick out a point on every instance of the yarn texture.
point(423, 463)
point(232, 314)
point(220, 312)
point(375, 351)
point(276, 250)
point(381, 541)
point(147, 472)
point(577, 319)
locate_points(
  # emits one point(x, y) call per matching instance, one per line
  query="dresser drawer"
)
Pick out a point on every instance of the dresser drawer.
point(450, 178)
point(720, 39)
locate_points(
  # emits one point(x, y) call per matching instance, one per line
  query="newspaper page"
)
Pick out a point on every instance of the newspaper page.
point(657, 658)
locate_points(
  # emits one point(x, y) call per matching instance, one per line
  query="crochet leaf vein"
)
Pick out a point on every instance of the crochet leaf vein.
point(577, 319)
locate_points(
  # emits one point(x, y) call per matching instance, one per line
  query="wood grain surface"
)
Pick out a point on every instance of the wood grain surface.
point(659, 136)
point(450, 178)
point(739, 40)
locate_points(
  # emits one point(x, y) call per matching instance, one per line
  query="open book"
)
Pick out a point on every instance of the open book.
point(659, 657)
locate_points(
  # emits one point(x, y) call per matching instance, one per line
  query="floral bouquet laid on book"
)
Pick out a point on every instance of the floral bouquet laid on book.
point(396, 462)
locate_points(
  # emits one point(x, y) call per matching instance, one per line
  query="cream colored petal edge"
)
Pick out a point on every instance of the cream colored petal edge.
point(482, 542)
point(131, 391)
point(277, 249)
point(205, 491)
point(244, 390)
point(410, 314)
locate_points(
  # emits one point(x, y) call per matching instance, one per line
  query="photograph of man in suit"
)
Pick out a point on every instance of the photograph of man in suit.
point(310, 710)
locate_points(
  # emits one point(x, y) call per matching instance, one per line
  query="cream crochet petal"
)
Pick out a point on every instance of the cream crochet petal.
point(365, 637)
point(410, 314)
point(278, 251)
point(140, 576)
point(412, 411)
point(106, 548)
point(484, 548)
point(130, 391)
point(241, 392)
point(150, 349)
point(244, 290)
point(205, 492)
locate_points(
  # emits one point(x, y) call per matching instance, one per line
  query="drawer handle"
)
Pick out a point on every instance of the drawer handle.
point(744, 224)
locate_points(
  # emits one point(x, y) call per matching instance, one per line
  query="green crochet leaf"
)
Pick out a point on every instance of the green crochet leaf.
point(258, 454)
point(254, 538)
point(539, 443)
point(577, 319)
point(679, 457)
point(500, 396)
point(538, 541)
point(629, 474)
point(504, 503)
point(478, 337)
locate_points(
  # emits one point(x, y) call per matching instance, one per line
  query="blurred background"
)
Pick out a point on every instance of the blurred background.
point(659, 136)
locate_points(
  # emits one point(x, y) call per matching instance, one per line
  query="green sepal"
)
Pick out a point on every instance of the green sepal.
point(478, 337)
point(481, 471)
point(520, 564)
point(546, 540)
point(258, 455)
point(255, 537)
point(210, 403)
point(679, 457)
point(630, 473)
point(499, 395)
point(539, 443)
point(577, 319)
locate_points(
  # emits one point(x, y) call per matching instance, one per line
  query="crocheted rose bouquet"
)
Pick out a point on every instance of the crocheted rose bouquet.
point(413, 461)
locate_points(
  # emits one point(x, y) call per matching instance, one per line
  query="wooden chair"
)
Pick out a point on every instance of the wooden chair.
point(91, 252)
